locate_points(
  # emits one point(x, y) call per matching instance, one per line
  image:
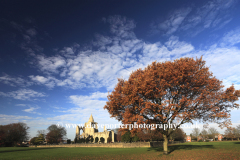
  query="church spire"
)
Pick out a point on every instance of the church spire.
point(91, 119)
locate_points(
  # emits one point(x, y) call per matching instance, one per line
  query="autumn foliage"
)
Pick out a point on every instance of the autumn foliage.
point(178, 91)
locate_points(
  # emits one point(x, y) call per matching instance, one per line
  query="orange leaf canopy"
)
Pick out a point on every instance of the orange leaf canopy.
point(180, 91)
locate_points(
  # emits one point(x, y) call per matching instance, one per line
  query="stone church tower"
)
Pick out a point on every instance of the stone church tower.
point(90, 129)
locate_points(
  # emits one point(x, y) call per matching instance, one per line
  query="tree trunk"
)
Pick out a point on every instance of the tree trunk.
point(238, 139)
point(165, 144)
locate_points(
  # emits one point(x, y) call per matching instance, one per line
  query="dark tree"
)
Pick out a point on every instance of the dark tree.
point(126, 137)
point(178, 135)
point(13, 134)
point(55, 134)
point(109, 139)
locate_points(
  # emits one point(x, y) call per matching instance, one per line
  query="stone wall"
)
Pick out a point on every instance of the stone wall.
point(110, 145)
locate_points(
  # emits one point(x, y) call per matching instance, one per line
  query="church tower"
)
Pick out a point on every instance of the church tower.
point(91, 119)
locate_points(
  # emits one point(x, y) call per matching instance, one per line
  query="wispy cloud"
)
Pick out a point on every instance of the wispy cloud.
point(14, 81)
point(22, 105)
point(231, 38)
point(174, 20)
point(213, 14)
point(32, 109)
point(121, 26)
point(31, 32)
point(111, 57)
point(23, 94)
point(3, 116)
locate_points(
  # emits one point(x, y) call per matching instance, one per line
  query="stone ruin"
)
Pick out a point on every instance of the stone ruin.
point(90, 129)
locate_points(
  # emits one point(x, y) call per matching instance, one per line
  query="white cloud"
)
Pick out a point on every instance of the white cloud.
point(7, 119)
point(231, 38)
point(50, 64)
point(222, 61)
point(117, 56)
point(50, 82)
point(114, 57)
point(23, 94)
point(14, 81)
point(20, 105)
point(32, 109)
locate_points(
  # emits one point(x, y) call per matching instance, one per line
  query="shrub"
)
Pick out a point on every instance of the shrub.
point(135, 138)
point(200, 140)
point(109, 139)
point(69, 141)
point(126, 137)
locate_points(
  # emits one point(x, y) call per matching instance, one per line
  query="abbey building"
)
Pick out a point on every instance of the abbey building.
point(90, 129)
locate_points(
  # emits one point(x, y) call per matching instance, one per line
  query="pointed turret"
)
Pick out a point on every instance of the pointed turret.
point(91, 119)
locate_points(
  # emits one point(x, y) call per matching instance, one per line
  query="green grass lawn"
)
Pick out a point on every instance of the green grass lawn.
point(190, 150)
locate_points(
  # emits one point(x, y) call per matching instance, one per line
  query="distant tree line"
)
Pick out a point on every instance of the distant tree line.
point(55, 134)
point(13, 134)
point(229, 134)
point(149, 135)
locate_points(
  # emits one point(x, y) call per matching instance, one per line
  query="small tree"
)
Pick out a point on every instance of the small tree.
point(41, 132)
point(69, 141)
point(126, 137)
point(55, 134)
point(195, 133)
point(236, 132)
point(109, 139)
point(102, 140)
point(135, 138)
point(40, 138)
point(212, 132)
point(229, 133)
point(34, 141)
point(204, 134)
point(178, 135)
point(96, 140)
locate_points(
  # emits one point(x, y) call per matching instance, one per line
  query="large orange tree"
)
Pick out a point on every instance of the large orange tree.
point(179, 91)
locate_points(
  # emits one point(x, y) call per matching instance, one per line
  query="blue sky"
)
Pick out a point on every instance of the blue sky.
point(59, 60)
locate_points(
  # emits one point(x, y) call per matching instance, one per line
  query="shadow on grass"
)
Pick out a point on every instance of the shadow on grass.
point(24, 150)
point(237, 143)
point(181, 147)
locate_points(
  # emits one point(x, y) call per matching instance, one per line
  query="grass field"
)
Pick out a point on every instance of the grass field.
point(192, 150)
